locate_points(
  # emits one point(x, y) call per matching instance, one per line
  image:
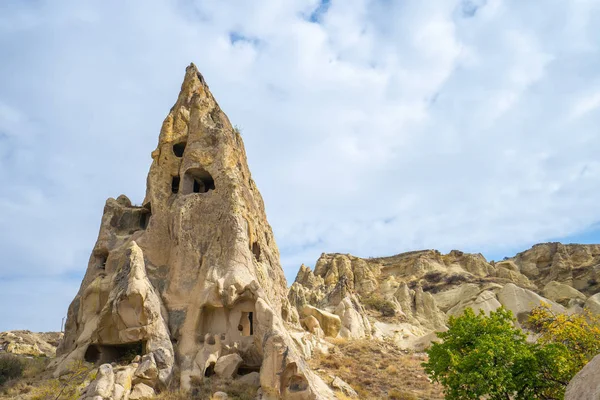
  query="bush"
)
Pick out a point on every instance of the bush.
point(385, 307)
point(11, 367)
point(456, 278)
point(433, 276)
point(486, 356)
point(577, 334)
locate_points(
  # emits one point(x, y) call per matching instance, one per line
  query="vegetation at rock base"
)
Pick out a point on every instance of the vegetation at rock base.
point(487, 356)
point(36, 383)
point(11, 367)
point(385, 307)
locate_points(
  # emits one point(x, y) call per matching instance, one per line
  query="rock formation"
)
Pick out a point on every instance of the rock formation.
point(29, 343)
point(191, 279)
point(408, 296)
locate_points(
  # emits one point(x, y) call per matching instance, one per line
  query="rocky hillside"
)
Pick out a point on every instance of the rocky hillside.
point(29, 343)
point(408, 296)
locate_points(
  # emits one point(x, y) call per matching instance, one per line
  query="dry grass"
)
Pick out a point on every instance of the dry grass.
point(378, 370)
point(38, 384)
point(203, 390)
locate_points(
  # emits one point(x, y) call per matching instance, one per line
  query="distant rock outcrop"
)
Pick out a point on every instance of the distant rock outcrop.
point(191, 279)
point(29, 343)
point(409, 295)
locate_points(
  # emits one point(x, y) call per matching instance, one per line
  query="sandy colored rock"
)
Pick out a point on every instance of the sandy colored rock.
point(585, 385)
point(561, 293)
point(352, 315)
point(521, 301)
point(592, 304)
point(219, 396)
point(251, 379)
point(575, 265)
point(141, 391)
point(30, 343)
point(330, 323)
point(104, 384)
point(343, 387)
point(486, 301)
point(312, 325)
point(227, 366)
point(196, 264)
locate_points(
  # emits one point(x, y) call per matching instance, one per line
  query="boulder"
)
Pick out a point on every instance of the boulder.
point(521, 301)
point(355, 324)
point(592, 304)
point(147, 371)
point(585, 385)
point(561, 293)
point(311, 324)
point(251, 379)
point(104, 384)
point(330, 323)
point(227, 366)
point(141, 391)
point(485, 301)
point(219, 396)
point(343, 387)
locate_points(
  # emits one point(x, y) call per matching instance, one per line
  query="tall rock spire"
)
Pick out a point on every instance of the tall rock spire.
point(192, 275)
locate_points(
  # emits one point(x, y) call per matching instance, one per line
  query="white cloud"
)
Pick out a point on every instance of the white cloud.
point(585, 105)
point(376, 128)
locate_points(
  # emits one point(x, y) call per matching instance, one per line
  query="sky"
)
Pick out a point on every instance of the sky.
point(372, 127)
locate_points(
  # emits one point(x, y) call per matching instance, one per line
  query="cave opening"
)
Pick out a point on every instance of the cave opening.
point(245, 369)
point(210, 370)
point(175, 184)
point(178, 149)
point(145, 216)
point(197, 180)
point(256, 251)
point(109, 353)
point(246, 325)
point(101, 258)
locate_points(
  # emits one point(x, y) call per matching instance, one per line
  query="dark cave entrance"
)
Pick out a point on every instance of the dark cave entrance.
point(210, 370)
point(175, 184)
point(145, 216)
point(197, 180)
point(178, 149)
point(109, 353)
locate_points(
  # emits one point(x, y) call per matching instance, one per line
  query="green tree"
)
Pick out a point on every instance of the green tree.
point(487, 356)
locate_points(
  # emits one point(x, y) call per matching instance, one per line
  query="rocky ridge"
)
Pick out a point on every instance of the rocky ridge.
point(407, 297)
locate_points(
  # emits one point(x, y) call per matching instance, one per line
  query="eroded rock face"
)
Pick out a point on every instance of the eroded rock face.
point(30, 343)
point(410, 295)
point(194, 273)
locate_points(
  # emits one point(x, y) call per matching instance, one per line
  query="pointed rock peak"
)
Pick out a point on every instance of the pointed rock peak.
point(205, 263)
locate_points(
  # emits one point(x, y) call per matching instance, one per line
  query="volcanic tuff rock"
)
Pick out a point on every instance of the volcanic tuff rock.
point(30, 343)
point(407, 296)
point(193, 275)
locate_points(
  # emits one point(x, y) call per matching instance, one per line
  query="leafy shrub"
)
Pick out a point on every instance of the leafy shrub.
point(385, 307)
point(486, 356)
point(578, 334)
point(11, 367)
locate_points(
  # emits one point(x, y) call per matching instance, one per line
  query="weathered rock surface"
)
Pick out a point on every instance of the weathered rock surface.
point(30, 343)
point(227, 366)
point(191, 275)
point(585, 385)
point(410, 295)
point(561, 293)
